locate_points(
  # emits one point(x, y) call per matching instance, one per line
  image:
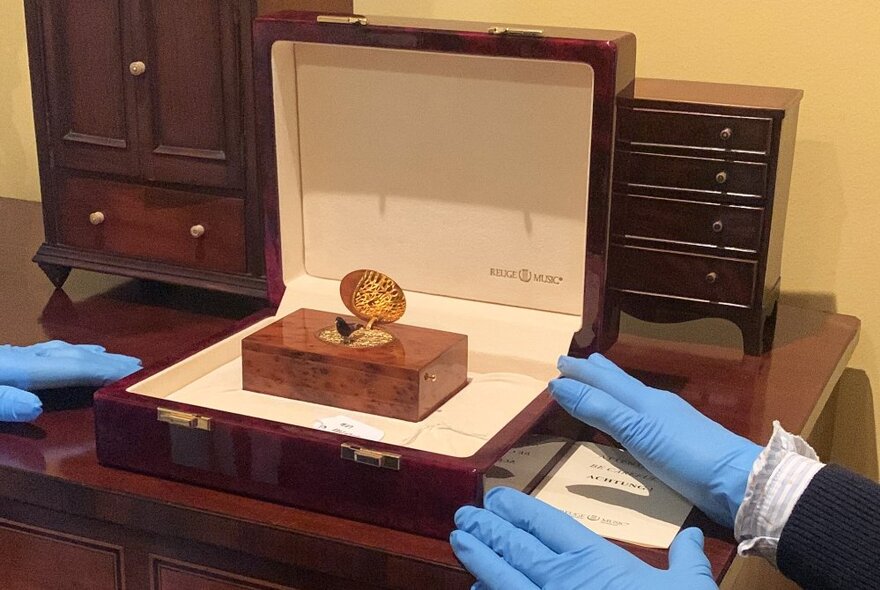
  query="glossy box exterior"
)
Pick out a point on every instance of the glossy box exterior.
point(301, 466)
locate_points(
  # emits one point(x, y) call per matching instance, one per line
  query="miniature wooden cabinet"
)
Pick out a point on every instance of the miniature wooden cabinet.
point(701, 180)
point(145, 138)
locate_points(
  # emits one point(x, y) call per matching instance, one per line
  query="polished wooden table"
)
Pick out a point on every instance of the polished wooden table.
point(67, 522)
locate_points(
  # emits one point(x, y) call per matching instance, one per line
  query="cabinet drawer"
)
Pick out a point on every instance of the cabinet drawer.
point(176, 227)
point(689, 276)
point(673, 220)
point(696, 174)
point(697, 130)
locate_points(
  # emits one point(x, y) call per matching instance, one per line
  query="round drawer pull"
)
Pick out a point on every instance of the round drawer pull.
point(197, 231)
point(726, 133)
point(721, 177)
point(431, 377)
point(137, 68)
point(717, 226)
point(711, 277)
point(96, 218)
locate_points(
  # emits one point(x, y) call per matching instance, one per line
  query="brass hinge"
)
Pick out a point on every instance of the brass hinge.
point(342, 20)
point(516, 31)
point(369, 457)
point(184, 419)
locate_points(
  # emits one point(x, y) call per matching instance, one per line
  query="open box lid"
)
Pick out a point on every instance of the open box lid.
point(467, 161)
point(471, 166)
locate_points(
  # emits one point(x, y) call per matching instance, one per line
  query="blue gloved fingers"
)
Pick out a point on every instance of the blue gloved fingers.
point(486, 565)
point(686, 552)
point(17, 405)
point(598, 409)
point(92, 347)
point(555, 529)
point(479, 586)
point(615, 382)
point(603, 361)
point(517, 547)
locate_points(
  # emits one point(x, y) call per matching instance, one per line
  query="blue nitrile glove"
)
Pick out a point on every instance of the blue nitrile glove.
point(17, 405)
point(50, 365)
point(53, 364)
point(520, 543)
point(699, 458)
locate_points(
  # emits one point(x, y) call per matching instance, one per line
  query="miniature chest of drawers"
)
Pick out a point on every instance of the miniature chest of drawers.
point(701, 179)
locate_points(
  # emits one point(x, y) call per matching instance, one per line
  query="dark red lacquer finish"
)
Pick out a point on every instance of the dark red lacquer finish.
point(301, 466)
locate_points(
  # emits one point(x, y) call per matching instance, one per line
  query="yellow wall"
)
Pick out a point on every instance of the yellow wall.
point(18, 152)
point(831, 256)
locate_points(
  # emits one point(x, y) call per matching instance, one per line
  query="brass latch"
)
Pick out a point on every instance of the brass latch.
point(516, 31)
point(184, 419)
point(369, 457)
point(342, 20)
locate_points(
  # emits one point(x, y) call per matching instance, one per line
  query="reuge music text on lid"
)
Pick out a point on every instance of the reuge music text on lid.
point(469, 161)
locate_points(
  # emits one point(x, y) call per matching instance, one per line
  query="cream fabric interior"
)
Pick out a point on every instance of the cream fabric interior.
point(466, 179)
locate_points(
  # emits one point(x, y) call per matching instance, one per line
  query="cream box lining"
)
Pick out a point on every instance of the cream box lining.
point(518, 207)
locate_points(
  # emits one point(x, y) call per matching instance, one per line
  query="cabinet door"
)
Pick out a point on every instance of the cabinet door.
point(190, 93)
point(91, 95)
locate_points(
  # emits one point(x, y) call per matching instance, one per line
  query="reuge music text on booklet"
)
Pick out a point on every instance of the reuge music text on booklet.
point(389, 370)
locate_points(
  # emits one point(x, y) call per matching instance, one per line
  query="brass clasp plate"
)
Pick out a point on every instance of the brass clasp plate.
point(370, 457)
point(184, 419)
point(342, 20)
point(516, 31)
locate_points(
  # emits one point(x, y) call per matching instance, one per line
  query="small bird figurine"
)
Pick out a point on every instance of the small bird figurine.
point(345, 329)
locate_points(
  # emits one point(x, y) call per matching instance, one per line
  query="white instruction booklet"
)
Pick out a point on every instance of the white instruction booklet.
point(603, 488)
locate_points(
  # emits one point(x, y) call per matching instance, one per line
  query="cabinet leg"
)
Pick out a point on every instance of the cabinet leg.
point(57, 274)
point(770, 328)
point(758, 333)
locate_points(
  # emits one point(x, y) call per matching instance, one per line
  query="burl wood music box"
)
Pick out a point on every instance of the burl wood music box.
point(472, 163)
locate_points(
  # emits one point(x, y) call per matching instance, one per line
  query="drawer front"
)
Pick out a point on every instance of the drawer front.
point(696, 130)
point(674, 274)
point(176, 227)
point(700, 223)
point(695, 174)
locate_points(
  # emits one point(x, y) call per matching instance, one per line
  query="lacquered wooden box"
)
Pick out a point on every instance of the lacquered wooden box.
point(471, 162)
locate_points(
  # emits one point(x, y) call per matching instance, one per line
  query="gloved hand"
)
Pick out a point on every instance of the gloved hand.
point(17, 405)
point(51, 365)
point(699, 458)
point(519, 543)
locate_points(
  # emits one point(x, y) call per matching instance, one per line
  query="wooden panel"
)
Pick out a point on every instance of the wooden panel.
point(700, 130)
point(407, 378)
point(190, 95)
point(676, 221)
point(92, 115)
point(643, 270)
point(708, 175)
point(175, 575)
point(153, 223)
point(38, 559)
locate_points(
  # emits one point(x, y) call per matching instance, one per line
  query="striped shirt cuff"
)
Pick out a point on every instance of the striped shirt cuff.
point(779, 476)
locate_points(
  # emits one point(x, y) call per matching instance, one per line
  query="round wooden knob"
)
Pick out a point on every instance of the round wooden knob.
point(197, 231)
point(721, 177)
point(726, 133)
point(96, 218)
point(711, 277)
point(137, 68)
point(717, 226)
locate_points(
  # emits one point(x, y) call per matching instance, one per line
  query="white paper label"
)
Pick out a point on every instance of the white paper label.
point(349, 426)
